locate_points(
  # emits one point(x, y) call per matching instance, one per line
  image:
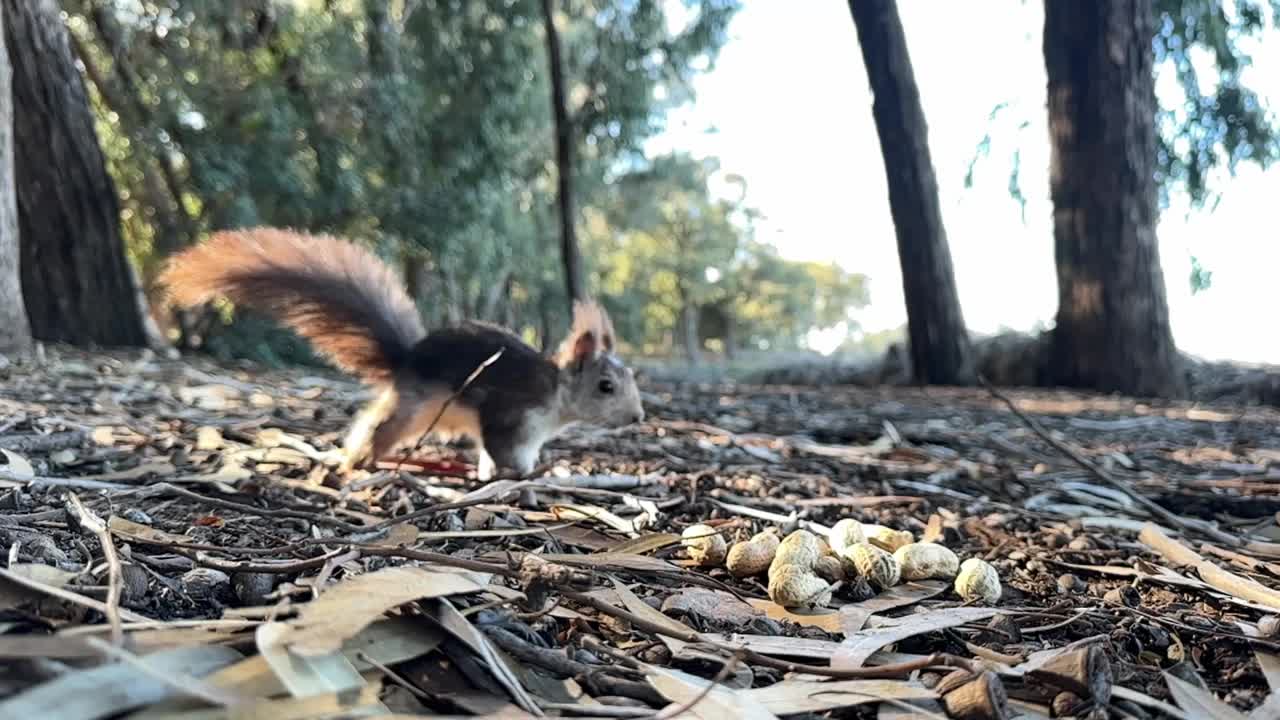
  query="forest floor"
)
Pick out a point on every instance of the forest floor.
point(178, 546)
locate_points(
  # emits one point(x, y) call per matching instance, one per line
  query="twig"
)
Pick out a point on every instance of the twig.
point(115, 576)
point(163, 488)
point(1228, 582)
point(597, 711)
point(449, 401)
point(1185, 524)
point(184, 683)
point(557, 662)
point(553, 660)
point(67, 595)
point(26, 444)
point(39, 482)
point(438, 508)
point(395, 677)
point(881, 671)
point(679, 710)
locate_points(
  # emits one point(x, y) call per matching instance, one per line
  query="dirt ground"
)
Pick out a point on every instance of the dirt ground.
point(180, 544)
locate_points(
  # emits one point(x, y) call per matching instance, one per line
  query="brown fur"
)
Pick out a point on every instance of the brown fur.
point(337, 295)
point(591, 334)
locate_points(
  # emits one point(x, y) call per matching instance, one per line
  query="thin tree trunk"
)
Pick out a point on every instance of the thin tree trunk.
point(1112, 332)
point(564, 159)
point(75, 277)
point(941, 352)
point(137, 119)
point(689, 326)
point(546, 339)
point(15, 329)
point(489, 305)
point(508, 304)
point(730, 334)
point(453, 310)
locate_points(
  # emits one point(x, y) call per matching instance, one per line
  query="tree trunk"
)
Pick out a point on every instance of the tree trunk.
point(940, 347)
point(75, 277)
point(564, 160)
point(730, 334)
point(1112, 332)
point(15, 330)
point(508, 302)
point(490, 304)
point(689, 324)
point(546, 337)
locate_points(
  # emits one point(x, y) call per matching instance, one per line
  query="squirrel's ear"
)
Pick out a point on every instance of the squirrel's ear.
point(585, 347)
point(590, 335)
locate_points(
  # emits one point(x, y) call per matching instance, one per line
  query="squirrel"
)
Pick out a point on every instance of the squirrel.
point(353, 309)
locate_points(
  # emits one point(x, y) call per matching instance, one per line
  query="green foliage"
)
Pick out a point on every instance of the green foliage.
point(422, 127)
point(1201, 279)
point(252, 337)
point(1221, 117)
point(664, 244)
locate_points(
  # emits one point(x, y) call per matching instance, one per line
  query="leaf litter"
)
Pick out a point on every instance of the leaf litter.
point(178, 545)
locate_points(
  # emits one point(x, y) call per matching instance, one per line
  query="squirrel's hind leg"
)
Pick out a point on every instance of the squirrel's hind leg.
point(423, 409)
point(355, 448)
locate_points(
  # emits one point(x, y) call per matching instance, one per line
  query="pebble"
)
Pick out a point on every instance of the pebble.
point(136, 515)
point(1068, 583)
point(1123, 596)
point(205, 583)
point(252, 588)
point(1080, 544)
point(133, 586)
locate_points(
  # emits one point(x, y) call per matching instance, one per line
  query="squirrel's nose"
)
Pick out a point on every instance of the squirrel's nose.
point(638, 417)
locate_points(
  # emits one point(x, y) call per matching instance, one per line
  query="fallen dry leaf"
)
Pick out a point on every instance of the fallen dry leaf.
point(347, 608)
point(828, 620)
point(1200, 703)
point(793, 697)
point(16, 466)
point(859, 646)
point(721, 702)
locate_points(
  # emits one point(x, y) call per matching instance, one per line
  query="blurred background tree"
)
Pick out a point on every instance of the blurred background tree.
point(429, 129)
point(423, 127)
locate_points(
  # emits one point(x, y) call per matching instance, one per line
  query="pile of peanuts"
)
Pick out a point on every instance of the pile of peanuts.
point(802, 567)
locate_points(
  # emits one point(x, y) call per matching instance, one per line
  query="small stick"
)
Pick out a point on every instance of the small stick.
point(40, 482)
point(1184, 524)
point(881, 671)
point(679, 710)
point(449, 401)
point(186, 684)
point(115, 576)
point(1228, 582)
point(67, 595)
point(163, 488)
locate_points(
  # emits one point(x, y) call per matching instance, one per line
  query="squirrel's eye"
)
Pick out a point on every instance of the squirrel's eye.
point(606, 386)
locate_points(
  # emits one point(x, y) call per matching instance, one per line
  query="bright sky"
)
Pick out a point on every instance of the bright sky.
point(792, 110)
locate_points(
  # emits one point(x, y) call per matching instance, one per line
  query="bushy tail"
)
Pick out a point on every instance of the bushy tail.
point(339, 296)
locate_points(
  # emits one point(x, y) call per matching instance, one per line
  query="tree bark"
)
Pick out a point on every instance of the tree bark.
point(1112, 332)
point(564, 160)
point(15, 329)
point(689, 325)
point(730, 334)
point(940, 347)
point(76, 279)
